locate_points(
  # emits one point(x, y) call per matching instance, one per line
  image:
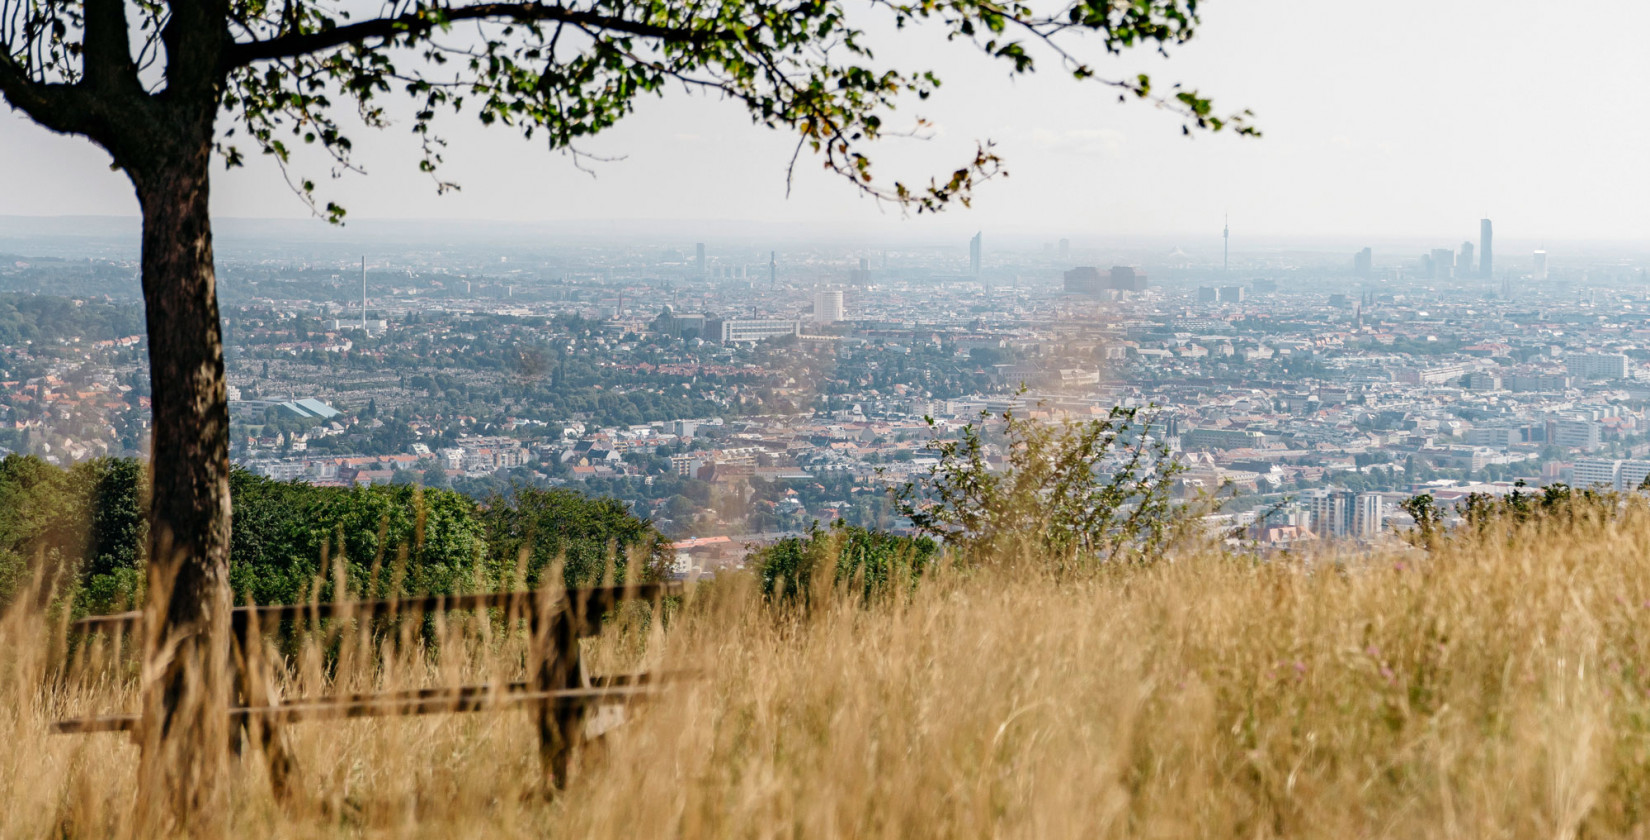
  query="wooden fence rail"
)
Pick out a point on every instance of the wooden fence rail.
point(569, 702)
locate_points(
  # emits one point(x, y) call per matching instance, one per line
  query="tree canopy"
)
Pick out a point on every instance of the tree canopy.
point(557, 71)
point(84, 528)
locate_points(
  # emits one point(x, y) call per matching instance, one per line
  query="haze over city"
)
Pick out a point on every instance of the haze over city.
point(1376, 128)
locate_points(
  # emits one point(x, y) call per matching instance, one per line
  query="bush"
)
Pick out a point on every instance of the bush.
point(1482, 514)
point(1070, 493)
point(873, 563)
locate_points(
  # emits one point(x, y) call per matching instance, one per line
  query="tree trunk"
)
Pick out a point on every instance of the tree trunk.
point(187, 682)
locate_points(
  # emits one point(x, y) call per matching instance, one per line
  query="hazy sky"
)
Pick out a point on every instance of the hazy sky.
point(1401, 118)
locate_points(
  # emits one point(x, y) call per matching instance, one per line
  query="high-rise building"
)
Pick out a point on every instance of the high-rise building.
point(974, 248)
point(1540, 265)
point(1443, 264)
point(1363, 262)
point(1346, 514)
point(828, 306)
point(1126, 279)
point(1486, 248)
point(1088, 280)
point(860, 276)
point(1463, 261)
point(773, 269)
point(700, 262)
point(1334, 512)
point(1368, 516)
point(1065, 249)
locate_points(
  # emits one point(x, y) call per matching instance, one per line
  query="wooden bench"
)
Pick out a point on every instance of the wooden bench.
point(571, 705)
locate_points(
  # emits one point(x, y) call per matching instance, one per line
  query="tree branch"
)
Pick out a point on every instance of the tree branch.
point(59, 107)
point(108, 54)
point(419, 23)
point(196, 38)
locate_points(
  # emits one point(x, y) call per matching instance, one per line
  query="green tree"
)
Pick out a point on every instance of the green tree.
point(113, 574)
point(538, 528)
point(387, 539)
point(81, 531)
point(39, 537)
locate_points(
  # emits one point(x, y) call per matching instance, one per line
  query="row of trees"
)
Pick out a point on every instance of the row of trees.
point(85, 528)
point(28, 318)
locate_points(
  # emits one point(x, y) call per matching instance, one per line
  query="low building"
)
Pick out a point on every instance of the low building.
point(1221, 439)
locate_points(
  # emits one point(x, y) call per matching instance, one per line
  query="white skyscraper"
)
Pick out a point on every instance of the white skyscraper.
point(1369, 515)
point(828, 306)
point(1540, 265)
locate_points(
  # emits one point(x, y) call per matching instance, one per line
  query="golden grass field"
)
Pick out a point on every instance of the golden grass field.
point(1497, 688)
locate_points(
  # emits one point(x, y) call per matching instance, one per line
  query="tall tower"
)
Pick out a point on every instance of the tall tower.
point(828, 307)
point(1486, 251)
point(974, 248)
point(363, 295)
point(773, 269)
point(1226, 247)
point(699, 249)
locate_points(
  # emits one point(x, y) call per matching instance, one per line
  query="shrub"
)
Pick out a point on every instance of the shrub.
point(1484, 514)
point(1073, 493)
point(872, 563)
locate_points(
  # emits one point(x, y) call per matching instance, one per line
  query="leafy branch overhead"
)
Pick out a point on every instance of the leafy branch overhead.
point(557, 71)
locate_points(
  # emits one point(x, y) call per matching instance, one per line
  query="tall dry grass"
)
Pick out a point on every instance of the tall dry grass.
point(1496, 688)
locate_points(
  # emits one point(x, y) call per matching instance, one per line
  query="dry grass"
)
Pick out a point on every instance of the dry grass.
point(1495, 689)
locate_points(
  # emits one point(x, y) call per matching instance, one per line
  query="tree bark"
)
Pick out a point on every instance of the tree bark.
point(184, 762)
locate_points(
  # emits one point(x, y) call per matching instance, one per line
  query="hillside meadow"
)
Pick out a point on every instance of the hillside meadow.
point(1494, 687)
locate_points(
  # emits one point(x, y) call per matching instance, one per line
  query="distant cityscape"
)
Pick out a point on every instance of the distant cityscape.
point(738, 393)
